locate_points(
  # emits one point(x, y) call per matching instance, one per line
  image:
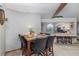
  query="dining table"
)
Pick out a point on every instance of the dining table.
point(31, 40)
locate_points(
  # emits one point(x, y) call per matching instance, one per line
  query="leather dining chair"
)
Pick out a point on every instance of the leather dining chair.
point(20, 41)
point(23, 44)
point(49, 44)
point(39, 46)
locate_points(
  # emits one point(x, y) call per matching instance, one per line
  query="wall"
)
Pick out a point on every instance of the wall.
point(18, 24)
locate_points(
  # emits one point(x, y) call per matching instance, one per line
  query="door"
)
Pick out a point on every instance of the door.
point(2, 32)
point(2, 39)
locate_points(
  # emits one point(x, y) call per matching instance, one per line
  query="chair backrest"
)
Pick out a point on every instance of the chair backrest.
point(23, 41)
point(40, 44)
point(50, 41)
point(45, 33)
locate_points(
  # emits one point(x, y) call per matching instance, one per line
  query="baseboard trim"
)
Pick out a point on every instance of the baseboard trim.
point(2, 53)
point(12, 50)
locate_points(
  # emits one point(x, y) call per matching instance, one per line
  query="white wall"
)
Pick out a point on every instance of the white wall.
point(18, 24)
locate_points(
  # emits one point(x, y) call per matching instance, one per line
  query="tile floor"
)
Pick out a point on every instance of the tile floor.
point(59, 50)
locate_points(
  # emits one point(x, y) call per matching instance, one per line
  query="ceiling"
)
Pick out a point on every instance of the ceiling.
point(71, 10)
point(45, 9)
point(41, 8)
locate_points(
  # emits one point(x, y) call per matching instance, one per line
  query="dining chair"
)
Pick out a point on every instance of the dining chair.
point(60, 39)
point(39, 46)
point(69, 40)
point(20, 40)
point(49, 45)
point(47, 33)
point(23, 44)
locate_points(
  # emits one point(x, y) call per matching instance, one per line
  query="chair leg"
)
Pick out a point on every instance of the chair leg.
point(57, 40)
point(49, 49)
point(46, 52)
point(43, 54)
point(21, 45)
point(65, 40)
point(52, 52)
point(22, 52)
point(71, 40)
point(38, 54)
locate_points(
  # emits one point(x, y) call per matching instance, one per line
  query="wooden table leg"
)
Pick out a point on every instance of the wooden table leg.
point(29, 52)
